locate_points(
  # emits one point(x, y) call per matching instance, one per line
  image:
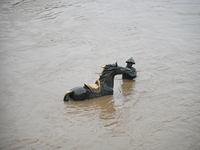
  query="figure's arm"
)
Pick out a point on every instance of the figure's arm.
point(134, 73)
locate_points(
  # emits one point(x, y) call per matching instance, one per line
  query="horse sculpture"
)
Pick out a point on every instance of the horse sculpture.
point(103, 86)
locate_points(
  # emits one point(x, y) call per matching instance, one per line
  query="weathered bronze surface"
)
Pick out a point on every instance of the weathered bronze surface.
point(133, 74)
point(103, 86)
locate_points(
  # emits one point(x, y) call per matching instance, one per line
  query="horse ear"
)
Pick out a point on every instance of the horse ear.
point(116, 64)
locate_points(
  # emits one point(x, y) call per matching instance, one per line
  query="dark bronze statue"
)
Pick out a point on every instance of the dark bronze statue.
point(103, 86)
point(133, 74)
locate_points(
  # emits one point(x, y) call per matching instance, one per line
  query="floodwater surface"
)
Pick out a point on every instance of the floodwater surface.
point(50, 46)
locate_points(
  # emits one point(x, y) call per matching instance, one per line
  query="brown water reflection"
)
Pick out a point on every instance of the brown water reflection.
point(128, 87)
point(103, 106)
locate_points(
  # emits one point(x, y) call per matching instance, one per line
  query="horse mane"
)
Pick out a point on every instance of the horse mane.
point(107, 69)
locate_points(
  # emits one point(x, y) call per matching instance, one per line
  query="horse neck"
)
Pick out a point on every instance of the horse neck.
point(109, 80)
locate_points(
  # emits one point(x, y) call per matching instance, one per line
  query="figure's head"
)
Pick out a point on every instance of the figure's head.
point(129, 65)
point(130, 62)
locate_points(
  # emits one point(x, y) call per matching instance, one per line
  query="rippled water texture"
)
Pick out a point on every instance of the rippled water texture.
point(50, 46)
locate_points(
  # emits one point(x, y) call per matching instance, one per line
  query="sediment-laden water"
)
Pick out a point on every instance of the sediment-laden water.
point(48, 47)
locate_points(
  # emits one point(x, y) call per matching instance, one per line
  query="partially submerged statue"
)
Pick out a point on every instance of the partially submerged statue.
point(103, 86)
point(133, 74)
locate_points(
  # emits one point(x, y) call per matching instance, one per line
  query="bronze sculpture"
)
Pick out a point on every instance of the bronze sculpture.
point(133, 74)
point(103, 86)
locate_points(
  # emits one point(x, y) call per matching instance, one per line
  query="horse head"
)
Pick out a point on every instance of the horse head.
point(121, 70)
point(115, 69)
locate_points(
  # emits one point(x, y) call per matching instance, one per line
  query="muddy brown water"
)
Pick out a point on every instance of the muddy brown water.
point(48, 47)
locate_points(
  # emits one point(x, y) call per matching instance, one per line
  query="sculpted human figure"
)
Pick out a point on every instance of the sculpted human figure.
point(133, 75)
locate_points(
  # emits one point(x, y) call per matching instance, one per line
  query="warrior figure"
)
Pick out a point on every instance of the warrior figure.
point(130, 62)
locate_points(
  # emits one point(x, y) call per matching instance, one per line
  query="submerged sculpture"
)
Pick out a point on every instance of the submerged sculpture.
point(103, 86)
point(133, 75)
